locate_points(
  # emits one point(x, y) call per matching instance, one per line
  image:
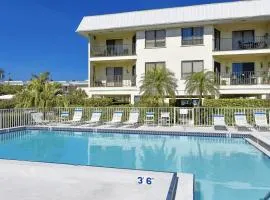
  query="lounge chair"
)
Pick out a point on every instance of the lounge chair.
point(95, 118)
point(183, 116)
point(261, 120)
point(117, 118)
point(133, 118)
point(64, 116)
point(164, 118)
point(77, 117)
point(219, 122)
point(149, 118)
point(38, 119)
point(241, 121)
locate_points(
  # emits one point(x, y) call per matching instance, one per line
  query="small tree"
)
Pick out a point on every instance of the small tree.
point(39, 93)
point(158, 84)
point(201, 83)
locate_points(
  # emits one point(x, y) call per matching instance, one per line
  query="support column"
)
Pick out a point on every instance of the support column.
point(90, 70)
point(132, 99)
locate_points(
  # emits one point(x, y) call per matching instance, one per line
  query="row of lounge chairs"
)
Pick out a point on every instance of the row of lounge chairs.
point(96, 118)
point(260, 121)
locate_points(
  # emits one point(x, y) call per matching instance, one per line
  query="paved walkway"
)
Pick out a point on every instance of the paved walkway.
point(39, 181)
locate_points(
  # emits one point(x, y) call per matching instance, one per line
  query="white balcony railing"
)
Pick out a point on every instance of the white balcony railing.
point(243, 78)
point(115, 81)
point(228, 44)
point(113, 50)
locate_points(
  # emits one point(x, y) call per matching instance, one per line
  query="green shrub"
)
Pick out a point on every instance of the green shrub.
point(75, 97)
point(7, 104)
point(98, 102)
point(242, 103)
point(150, 102)
point(10, 89)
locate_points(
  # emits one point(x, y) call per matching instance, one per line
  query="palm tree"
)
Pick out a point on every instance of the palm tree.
point(201, 83)
point(2, 74)
point(39, 93)
point(157, 84)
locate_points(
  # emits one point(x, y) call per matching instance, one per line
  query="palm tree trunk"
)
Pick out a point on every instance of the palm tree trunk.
point(201, 109)
point(200, 99)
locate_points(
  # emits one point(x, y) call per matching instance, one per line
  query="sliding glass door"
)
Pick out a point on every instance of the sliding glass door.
point(243, 73)
point(242, 39)
point(114, 76)
point(114, 47)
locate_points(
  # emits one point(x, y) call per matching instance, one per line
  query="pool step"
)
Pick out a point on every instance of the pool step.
point(185, 187)
point(173, 188)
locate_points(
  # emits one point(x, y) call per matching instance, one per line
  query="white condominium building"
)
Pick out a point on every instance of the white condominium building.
point(231, 39)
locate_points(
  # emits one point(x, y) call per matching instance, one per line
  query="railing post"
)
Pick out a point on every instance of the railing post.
point(174, 116)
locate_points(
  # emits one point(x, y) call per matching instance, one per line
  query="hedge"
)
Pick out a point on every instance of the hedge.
point(98, 102)
point(7, 104)
point(243, 103)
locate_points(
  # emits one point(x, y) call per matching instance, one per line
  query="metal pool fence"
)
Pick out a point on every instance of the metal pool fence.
point(197, 116)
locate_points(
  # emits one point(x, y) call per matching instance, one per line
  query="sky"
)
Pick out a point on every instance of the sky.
point(39, 35)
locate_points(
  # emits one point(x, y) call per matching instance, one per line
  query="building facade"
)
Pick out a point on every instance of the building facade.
point(231, 39)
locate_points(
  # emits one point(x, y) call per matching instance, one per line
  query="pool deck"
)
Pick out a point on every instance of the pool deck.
point(43, 181)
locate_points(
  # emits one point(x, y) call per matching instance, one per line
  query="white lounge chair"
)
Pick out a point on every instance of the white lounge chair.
point(219, 122)
point(117, 118)
point(165, 118)
point(64, 116)
point(241, 121)
point(77, 117)
point(183, 116)
point(261, 120)
point(133, 118)
point(38, 119)
point(95, 118)
point(149, 118)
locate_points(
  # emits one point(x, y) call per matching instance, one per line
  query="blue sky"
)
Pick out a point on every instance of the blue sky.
point(39, 35)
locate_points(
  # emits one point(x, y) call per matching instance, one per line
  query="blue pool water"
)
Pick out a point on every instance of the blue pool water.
point(225, 169)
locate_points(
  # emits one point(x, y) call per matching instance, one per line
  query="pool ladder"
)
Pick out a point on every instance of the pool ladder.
point(229, 135)
point(267, 197)
point(95, 130)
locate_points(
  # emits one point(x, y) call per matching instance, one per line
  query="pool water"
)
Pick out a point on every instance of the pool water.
point(224, 168)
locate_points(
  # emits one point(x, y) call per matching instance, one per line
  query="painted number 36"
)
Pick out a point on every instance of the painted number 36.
point(147, 180)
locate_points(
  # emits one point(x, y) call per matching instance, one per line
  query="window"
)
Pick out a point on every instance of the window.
point(155, 38)
point(192, 36)
point(153, 66)
point(189, 67)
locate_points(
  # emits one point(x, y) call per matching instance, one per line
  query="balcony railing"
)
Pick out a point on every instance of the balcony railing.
point(228, 44)
point(243, 78)
point(115, 81)
point(113, 50)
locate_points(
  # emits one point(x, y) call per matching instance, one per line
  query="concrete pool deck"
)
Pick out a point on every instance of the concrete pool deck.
point(42, 181)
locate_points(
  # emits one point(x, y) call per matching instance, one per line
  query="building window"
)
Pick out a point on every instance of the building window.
point(155, 38)
point(189, 67)
point(192, 36)
point(154, 66)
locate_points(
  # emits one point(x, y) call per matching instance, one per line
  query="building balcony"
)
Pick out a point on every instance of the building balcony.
point(232, 44)
point(243, 78)
point(114, 81)
point(113, 50)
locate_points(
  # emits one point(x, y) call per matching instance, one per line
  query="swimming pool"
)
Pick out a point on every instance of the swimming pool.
point(224, 168)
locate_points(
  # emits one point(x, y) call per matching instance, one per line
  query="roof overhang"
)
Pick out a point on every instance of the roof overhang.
point(180, 16)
